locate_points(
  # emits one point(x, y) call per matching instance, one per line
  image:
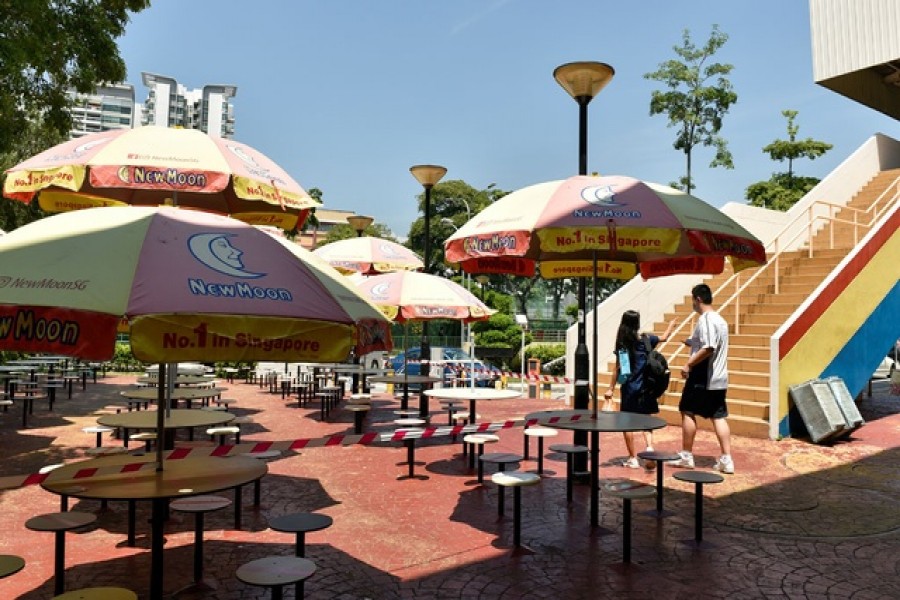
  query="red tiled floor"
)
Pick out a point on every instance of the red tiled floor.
point(797, 520)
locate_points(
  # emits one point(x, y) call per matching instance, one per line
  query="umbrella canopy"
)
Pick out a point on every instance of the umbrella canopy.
point(369, 255)
point(192, 286)
point(150, 166)
point(408, 295)
point(626, 223)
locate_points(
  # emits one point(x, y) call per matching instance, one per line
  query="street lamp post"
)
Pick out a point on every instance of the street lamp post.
point(582, 81)
point(428, 176)
point(359, 224)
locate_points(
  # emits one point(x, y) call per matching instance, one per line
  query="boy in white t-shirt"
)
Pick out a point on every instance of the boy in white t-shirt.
point(706, 374)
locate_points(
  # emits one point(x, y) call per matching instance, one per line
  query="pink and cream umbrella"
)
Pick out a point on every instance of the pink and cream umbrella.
point(150, 166)
point(369, 255)
point(191, 286)
point(612, 227)
point(411, 296)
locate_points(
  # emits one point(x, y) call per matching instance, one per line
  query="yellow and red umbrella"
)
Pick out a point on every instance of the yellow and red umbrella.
point(627, 224)
point(150, 166)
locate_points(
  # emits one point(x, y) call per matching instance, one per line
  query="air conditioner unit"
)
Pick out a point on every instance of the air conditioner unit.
point(819, 410)
point(845, 402)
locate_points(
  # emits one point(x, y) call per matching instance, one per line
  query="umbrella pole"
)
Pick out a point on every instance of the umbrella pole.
point(594, 340)
point(161, 389)
point(404, 402)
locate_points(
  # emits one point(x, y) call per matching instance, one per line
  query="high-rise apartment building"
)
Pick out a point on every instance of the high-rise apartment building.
point(111, 106)
point(170, 104)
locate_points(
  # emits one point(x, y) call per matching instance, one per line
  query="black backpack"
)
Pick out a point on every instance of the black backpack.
point(656, 372)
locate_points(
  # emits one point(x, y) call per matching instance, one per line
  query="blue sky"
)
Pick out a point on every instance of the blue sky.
point(348, 94)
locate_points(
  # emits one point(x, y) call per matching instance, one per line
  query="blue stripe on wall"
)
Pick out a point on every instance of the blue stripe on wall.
point(862, 354)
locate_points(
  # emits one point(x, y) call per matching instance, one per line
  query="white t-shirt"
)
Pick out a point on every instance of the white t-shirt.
point(712, 332)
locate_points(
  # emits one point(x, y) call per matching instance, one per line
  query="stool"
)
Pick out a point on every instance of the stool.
point(570, 450)
point(540, 433)
point(257, 485)
point(501, 459)
point(300, 524)
point(359, 413)
point(199, 505)
point(223, 402)
point(59, 524)
point(404, 413)
point(10, 564)
point(410, 443)
point(478, 439)
point(99, 430)
point(360, 398)
point(98, 593)
point(516, 480)
point(659, 458)
point(275, 572)
point(628, 491)
point(698, 478)
point(223, 433)
point(450, 406)
point(148, 437)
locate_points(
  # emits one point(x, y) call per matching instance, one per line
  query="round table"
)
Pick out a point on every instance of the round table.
point(473, 394)
point(187, 394)
point(605, 422)
point(10, 564)
point(179, 478)
point(405, 380)
point(177, 418)
point(180, 380)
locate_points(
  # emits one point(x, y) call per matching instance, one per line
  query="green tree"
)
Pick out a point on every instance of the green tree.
point(448, 201)
point(696, 100)
point(49, 47)
point(35, 137)
point(783, 190)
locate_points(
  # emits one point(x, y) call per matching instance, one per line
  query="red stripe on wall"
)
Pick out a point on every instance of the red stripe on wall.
point(837, 286)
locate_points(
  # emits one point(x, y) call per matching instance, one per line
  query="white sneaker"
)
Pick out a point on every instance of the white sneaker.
point(686, 460)
point(632, 463)
point(724, 464)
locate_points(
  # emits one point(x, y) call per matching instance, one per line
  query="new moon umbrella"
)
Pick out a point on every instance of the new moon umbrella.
point(609, 226)
point(410, 296)
point(149, 166)
point(192, 286)
point(369, 255)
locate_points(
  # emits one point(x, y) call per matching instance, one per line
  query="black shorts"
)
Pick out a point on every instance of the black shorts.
point(706, 403)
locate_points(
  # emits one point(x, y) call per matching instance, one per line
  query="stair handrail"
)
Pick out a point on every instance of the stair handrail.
point(779, 248)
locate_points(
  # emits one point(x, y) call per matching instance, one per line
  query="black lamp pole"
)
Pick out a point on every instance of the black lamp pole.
point(428, 176)
point(583, 81)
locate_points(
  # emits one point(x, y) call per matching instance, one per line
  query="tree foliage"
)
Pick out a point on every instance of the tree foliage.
point(49, 47)
point(696, 99)
point(784, 189)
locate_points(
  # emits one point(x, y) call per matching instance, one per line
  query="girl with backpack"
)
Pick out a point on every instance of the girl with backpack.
point(631, 356)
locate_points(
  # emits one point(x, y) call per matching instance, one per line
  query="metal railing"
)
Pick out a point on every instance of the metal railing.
point(863, 220)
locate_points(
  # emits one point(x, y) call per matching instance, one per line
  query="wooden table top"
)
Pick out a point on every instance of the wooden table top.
point(180, 380)
point(179, 478)
point(179, 417)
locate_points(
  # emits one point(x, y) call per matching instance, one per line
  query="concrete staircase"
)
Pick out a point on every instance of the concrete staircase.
point(761, 313)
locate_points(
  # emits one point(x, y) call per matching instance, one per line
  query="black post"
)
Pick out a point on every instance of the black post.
point(425, 345)
point(582, 357)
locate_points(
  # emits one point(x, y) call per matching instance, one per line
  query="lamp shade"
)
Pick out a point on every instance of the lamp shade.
point(583, 79)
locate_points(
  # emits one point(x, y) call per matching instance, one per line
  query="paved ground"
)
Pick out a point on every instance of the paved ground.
point(797, 520)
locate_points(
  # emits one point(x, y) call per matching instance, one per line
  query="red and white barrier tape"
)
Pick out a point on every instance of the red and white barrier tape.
point(16, 481)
